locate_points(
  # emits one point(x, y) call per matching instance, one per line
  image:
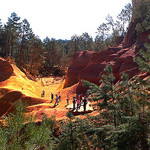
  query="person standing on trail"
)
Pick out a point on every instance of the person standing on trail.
point(74, 103)
point(52, 97)
point(39, 77)
point(81, 95)
point(68, 99)
point(84, 103)
point(43, 93)
point(56, 102)
point(77, 96)
point(78, 103)
point(59, 96)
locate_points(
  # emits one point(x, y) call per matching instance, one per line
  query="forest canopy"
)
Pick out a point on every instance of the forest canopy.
point(50, 56)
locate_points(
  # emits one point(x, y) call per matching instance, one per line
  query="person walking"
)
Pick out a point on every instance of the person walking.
point(78, 104)
point(81, 99)
point(52, 97)
point(56, 102)
point(43, 93)
point(84, 103)
point(74, 103)
point(68, 99)
point(59, 96)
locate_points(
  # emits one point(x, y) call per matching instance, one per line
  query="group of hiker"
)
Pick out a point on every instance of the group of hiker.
point(78, 100)
point(58, 98)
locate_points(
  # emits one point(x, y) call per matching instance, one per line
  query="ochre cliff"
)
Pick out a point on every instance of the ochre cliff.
point(87, 65)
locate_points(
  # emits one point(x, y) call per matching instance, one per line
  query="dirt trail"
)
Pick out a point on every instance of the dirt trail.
point(18, 86)
point(48, 86)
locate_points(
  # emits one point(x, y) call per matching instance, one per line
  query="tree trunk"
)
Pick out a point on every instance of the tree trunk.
point(21, 49)
point(6, 39)
point(32, 58)
point(12, 46)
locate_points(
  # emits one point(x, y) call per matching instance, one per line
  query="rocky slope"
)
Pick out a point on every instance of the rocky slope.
point(14, 86)
point(87, 65)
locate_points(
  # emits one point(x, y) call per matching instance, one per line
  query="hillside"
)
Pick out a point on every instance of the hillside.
point(16, 86)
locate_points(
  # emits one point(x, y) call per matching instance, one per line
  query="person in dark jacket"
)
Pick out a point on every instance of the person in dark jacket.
point(74, 103)
point(84, 103)
point(52, 97)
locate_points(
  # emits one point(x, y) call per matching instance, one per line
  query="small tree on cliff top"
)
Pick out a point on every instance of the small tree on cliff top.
point(143, 15)
point(144, 59)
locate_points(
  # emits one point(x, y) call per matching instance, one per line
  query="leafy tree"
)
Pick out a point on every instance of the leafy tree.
point(102, 30)
point(75, 43)
point(128, 10)
point(123, 18)
point(40, 136)
point(108, 93)
point(109, 31)
point(36, 59)
point(102, 34)
point(54, 55)
point(86, 42)
point(114, 26)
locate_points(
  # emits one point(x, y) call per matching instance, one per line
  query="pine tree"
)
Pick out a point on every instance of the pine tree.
point(144, 59)
point(24, 44)
point(12, 34)
point(123, 110)
point(2, 39)
point(36, 55)
point(143, 16)
point(40, 136)
point(73, 136)
point(106, 95)
point(21, 132)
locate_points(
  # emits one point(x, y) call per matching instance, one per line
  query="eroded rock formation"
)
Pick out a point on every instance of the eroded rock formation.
point(6, 70)
point(90, 66)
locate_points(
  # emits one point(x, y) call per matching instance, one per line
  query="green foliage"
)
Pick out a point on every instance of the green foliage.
point(18, 42)
point(125, 108)
point(130, 135)
point(73, 136)
point(3, 139)
point(22, 132)
point(108, 32)
point(124, 16)
point(143, 15)
point(144, 59)
point(40, 136)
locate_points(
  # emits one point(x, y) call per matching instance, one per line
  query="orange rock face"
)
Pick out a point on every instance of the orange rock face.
point(78, 62)
point(6, 70)
point(14, 86)
point(85, 65)
point(120, 59)
point(90, 66)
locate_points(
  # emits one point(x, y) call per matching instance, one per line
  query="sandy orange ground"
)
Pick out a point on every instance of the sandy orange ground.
point(18, 86)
